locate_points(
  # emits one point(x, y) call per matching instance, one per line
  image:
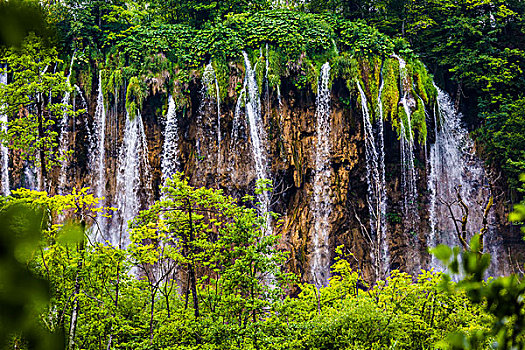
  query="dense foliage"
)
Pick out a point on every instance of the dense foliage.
point(476, 48)
point(220, 286)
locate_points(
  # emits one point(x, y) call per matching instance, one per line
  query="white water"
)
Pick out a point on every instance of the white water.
point(4, 151)
point(257, 134)
point(82, 98)
point(320, 261)
point(32, 174)
point(133, 180)
point(170, 149)
point(64, 133)
point(376, 195)
point(236, 125)
point(383, 197)
point(97, 150)
point(408, 174)
point(453, 165)
point(30, 180)
point(210, 79)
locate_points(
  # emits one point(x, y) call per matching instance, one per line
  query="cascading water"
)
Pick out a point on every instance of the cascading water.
point(98, 152)
point(4, 151)
point(381, 147)
point(236, 125)
point(82, 98)
point(170, 149)
point(133, 179)
point(376, 196)
point(320, 261)
point(257, 134)
point(455, 167)
point(210, 80)
point(408, 174)
point(64, 133)
point(97, 149)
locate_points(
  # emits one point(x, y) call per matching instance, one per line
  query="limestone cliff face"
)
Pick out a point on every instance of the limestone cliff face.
point(290, 125)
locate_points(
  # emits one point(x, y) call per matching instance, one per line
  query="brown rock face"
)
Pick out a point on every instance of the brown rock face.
point(290, 126)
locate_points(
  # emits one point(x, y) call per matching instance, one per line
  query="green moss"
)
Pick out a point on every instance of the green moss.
point(222, 72)
point(312, 73)
point(369, 77)
point(180, 93)
point(276, 62)
point(423, 83)
point(346, 67)
point(390, 95)
point(424, 92)
point(342, 66)
point(112, 82)
point(135, 95)
point(418, 120)
point(260, 68)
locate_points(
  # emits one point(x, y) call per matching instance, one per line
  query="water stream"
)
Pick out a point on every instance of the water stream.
point(97, 150)
point(376, 194)
point(257, 134)
point(454, 168)
point(133, 180)
point(408, 174)
point(320, 261)
point(170, 149)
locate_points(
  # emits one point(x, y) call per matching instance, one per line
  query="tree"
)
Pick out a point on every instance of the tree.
point(29, 100)
point(224, 261)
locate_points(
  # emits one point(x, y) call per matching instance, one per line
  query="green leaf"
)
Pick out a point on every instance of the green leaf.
point(442, 252)
point(70, 234)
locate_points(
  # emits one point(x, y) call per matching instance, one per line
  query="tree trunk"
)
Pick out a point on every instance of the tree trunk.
point(193, 281)
point(152, 312)
point(42, 151)
point(74, 314)
point(116, 305)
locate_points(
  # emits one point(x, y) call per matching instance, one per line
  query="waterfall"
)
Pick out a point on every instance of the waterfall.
point(79, 92)
point(210, 80)
point(32, 174)
point(97, 149)
point(453, 165)
point(64, 133)
point(376, 195)
point(170, 149)
point(383, 194)
point(320, 261)
point(133, 179)
point(236, 125)
point(257, 133)
point(408, 174)
point(4, 151)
